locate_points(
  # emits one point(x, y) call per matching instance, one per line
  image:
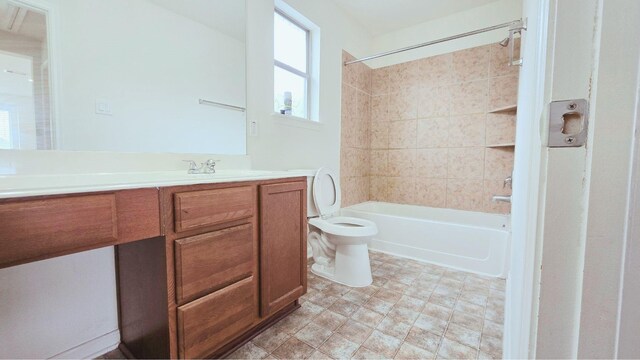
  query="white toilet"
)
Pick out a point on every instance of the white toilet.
point(338, 243)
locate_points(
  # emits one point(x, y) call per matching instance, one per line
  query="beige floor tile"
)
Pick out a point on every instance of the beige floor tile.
point(402, 314)
point(291, 324)
point(330, 320)
point(271, 338)
point(338, 347)
point(344, 307)
point(364, 353)
point(469, 308)
point(367, 317)
point(465, 320)
point(450, 349)
point(383, 344)
point(408, 351)
point(293, 349)
point(423, 339)
point(313, 334)
point(378, 305)
point(394, 328)
point(411, 303)
point(249, 351)
point(437, 311)
point(492, 346)
point(463, 335)
point(354, 331)
point(319, 355)
point(355, 297)
point(431, 324)
point(493, 329)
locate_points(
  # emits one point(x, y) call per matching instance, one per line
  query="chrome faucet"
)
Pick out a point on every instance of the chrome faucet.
point(501, 198)
point(208, 167)
point(507, 182)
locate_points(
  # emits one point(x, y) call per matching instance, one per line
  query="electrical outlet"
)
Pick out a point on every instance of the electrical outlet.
point(103, 107)
point(253, 128)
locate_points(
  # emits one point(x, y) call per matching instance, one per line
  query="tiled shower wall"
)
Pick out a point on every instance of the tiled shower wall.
point(356, 125)
point(432, 133)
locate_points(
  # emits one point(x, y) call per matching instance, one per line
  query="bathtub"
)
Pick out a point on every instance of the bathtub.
point(464, 240)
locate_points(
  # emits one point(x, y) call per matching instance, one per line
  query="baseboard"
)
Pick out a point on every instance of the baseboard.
point(92, 348)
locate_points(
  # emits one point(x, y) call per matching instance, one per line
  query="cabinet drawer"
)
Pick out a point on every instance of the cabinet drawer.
point(210, 261)
point(207, 324)
point(198, 209)
point(32, 229)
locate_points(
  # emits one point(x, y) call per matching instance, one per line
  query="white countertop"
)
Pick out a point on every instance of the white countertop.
point(35, 185)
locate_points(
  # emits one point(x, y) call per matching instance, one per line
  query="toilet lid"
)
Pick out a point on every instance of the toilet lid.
point(326, 192)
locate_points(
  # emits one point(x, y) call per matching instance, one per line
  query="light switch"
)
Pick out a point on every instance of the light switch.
point(253, 128)
point(103, 107)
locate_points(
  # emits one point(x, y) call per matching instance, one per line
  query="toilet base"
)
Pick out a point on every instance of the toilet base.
point(351, 266)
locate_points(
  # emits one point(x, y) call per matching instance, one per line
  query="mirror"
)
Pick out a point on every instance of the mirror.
point(123, 75)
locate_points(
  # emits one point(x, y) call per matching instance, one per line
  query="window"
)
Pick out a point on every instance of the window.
point(291, 66)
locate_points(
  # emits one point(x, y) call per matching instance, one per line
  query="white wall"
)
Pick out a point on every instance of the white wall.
point(500, 11)
point(152, 65)
point(284, 143)
point(49, 307)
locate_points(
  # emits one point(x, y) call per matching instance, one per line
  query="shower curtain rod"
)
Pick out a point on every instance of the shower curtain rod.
point(514, 26)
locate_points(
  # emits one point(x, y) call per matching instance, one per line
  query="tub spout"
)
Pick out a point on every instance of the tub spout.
point(501, 198)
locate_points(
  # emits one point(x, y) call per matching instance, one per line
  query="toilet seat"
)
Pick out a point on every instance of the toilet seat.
point(345, 226)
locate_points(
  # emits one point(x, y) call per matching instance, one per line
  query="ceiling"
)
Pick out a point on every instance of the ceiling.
point(22, 21)
point(383, 16)
point(226, 16)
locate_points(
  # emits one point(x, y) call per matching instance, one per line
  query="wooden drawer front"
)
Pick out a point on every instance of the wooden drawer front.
point(208, 262)
point(198, 209)
point(207, 324)
point(38, 228)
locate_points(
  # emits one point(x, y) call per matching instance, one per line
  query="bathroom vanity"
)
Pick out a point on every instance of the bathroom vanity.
point(201, 268)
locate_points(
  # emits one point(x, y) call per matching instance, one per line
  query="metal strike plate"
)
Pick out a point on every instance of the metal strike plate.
point(568, 123)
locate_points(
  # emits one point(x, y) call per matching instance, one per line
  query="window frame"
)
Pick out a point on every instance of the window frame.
point(306, 75)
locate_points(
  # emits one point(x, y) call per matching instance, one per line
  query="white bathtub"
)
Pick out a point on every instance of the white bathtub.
point(465, 240)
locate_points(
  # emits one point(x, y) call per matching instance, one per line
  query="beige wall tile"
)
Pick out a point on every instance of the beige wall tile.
point(364, 77)
point(402, 162)
point(503, 91)
point(349, 73)
point(500, 128)
point(465, 194)
point(495, 187)
point(431, 192)
point(348, 190)
point(433, 133)
point(436, 70)
point(401, 189)
point(469, 97)
point(471, 64)
point(349, 107)
point(498, 163)
point(403, 105)
point(380, 135)
point(500, 60)
point(467, 130)
point(380, 108)
point(364, 105)
point(432, 163)
point(402, 76)
point(379, 189)
point(465, 163)
point(348, 161)
point(433, 101)
point(379, 162)
point(380, 81)
point(402, 134)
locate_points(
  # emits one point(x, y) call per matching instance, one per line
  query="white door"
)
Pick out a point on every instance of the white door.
point(570, 204)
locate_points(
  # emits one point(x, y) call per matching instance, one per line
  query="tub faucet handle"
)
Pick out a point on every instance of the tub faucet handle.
point(507, 182)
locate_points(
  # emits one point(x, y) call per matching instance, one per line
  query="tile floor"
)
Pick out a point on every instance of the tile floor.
point(412, 311)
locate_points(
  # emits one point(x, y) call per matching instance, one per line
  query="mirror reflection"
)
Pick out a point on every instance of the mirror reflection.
point(123, 75)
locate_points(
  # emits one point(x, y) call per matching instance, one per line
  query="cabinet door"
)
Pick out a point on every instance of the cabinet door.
point(283, 244)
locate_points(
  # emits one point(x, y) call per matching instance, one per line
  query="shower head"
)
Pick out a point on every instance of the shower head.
point(504, 42)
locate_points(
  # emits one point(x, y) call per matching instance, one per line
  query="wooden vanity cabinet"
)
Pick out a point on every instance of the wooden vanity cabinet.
point(201, 269)
point(235, 258)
